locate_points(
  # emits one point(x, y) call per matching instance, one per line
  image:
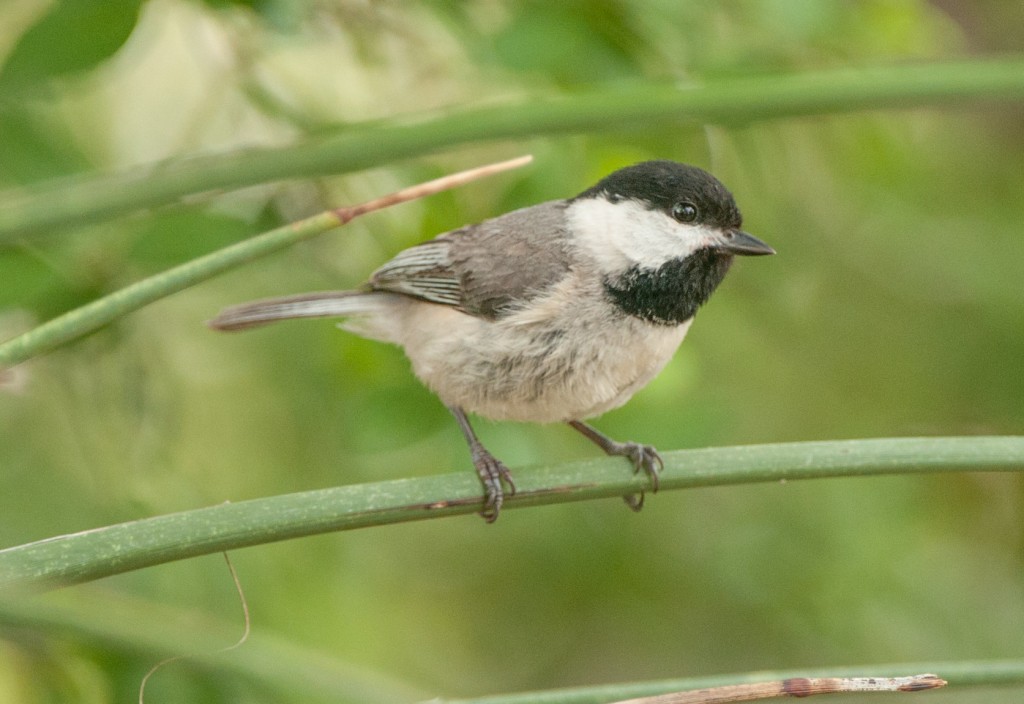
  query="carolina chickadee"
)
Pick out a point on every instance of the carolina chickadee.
point(556, 312)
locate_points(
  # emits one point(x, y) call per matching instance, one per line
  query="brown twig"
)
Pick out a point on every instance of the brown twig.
point(86, 319)
point(794, 687)
point(421, 190)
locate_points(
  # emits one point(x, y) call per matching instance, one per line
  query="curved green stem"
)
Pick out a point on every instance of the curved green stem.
point(47, 206)
point(81, 557)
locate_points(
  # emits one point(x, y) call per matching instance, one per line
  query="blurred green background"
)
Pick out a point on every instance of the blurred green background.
point(894, 307)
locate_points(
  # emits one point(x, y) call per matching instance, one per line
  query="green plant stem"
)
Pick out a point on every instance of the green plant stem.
point(92, 316)
point(158, 630)
point(81, 321)
point(51, 205)
point(958, 673)
point(89, 555)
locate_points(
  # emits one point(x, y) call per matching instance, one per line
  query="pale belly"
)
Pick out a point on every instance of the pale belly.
point(539, 369)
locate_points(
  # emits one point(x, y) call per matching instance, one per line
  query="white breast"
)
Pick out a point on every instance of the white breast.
point(562, 359)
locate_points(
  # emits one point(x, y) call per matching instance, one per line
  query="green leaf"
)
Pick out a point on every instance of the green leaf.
point(75, 35)
point(34, 148)
point(24, 277)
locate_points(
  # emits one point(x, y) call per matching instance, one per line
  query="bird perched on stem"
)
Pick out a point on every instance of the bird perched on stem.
point(553, 313)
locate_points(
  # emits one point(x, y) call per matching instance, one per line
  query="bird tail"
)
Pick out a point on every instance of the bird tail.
point(324, 304)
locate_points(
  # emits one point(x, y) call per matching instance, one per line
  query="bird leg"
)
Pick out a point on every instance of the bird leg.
point(643, 457)
point(491, 470)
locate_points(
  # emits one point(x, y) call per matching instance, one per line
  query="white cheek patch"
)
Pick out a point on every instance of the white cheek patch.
point(621, 235)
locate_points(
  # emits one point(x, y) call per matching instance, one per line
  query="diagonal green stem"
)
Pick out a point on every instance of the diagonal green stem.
point(47, 206)
point(81, 557)
point(92, 316)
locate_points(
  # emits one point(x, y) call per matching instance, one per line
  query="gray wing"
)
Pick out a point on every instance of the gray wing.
point(424, 271)
point(488, 270)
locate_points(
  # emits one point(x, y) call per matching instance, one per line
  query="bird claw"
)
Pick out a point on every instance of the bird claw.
point(643, 457)
point(493, 475)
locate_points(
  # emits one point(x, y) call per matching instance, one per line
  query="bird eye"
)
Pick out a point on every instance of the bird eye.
point(684, 212)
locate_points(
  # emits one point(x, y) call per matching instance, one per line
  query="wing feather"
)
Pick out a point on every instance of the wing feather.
point(487, 270)
point(423, 271)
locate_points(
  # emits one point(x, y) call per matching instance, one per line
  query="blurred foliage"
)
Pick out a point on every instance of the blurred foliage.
point(44, 52)
point(894, 307)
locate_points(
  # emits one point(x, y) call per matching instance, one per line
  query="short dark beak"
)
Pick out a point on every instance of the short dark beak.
point(743, 243)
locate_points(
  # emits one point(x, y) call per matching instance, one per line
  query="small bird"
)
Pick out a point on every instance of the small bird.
point(556, 312)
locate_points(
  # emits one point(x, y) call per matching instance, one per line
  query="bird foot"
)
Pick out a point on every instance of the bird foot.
point(643, 457)
point(493, 475)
